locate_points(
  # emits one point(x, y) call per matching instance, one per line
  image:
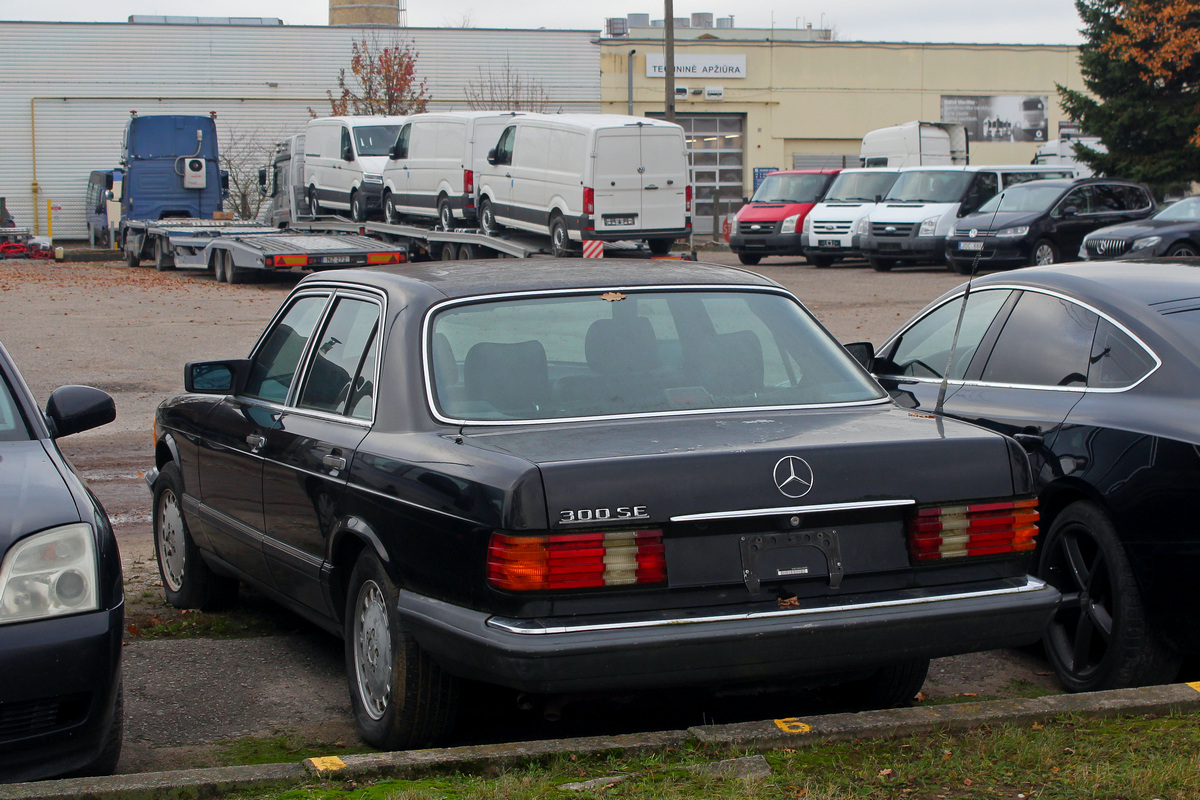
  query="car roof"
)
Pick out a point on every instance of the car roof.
point(1112, 283)
point(823, 171)
point(455, 279)
point(1073, 182)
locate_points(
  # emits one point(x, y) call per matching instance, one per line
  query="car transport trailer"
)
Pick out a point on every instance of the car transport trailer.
point(231, 248)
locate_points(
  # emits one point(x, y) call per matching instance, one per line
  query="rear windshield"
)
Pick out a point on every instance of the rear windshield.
point(614, 353)
point(791, 189)
point(860, 187)
point(930, 186)
point(1027, 197)
point(375, 140)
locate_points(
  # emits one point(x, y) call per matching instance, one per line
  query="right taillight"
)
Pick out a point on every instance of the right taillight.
point(584, 560)
point(981, 529)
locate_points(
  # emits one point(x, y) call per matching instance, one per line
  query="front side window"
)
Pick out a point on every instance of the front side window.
point(1046, 341)
point(1079, 199)
point(504, 148)
point(12, 422)
point(1031, 198)
point(401, 147)
point(613, 353)
point(336, 378)
point(923, 351)
point(273, 366)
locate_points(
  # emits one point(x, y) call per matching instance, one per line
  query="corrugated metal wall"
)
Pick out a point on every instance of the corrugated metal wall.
point(66, 89)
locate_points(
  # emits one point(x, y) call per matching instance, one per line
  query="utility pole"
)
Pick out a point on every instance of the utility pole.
point(669, 57)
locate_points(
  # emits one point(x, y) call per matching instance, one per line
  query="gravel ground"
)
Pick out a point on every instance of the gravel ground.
point(129, 332)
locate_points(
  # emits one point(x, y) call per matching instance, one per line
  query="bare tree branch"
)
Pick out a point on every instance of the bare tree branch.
point(506, 90)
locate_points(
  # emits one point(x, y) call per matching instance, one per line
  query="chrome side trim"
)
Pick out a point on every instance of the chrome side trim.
point(533, 628)
point(762, 512)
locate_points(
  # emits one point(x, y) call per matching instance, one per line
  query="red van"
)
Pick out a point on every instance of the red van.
point(771, 223)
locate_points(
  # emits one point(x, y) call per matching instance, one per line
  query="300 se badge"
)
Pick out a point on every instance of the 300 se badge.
point(580, 515)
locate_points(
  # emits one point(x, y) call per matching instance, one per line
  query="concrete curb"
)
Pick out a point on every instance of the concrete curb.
point(792, 732)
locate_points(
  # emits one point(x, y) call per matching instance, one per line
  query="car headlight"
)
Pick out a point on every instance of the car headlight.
point(372, 178)
point(862, 227)
point(789, 224)
point(1149, 241)
point(50, 574)
point(807, 228)
point(1013, 232)
point(929, 227)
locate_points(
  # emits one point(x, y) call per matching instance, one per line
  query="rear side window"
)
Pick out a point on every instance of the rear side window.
point(1046, 341)
point(1117, 360)
point(273, 366)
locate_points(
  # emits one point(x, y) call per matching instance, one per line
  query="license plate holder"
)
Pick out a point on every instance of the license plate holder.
point(334, 259)
point(620, 220)
point(970, 245)
point(791, 556)
point(832, 243)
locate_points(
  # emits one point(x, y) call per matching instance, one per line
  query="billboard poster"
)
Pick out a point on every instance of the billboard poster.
point(999, 118)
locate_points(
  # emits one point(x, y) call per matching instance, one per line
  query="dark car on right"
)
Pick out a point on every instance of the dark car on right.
point(1040, 222)
point(1173, 232)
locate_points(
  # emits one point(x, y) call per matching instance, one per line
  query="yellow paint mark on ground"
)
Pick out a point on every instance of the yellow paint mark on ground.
point(327, 763)
point(793, 725)
point(1195, 685)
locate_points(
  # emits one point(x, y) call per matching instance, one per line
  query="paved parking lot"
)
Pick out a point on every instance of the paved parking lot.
point(129, 331)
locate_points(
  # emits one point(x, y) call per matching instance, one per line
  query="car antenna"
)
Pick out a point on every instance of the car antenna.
point(962, 310)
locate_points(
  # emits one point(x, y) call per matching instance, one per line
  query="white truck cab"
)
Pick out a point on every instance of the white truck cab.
point(828, 233)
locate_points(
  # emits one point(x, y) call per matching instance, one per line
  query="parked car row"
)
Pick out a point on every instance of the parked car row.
point(571, 177)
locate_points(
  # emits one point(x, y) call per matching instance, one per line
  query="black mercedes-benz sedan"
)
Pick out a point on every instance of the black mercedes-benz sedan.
point(588, 476)
point(1095, 367)
point(62, 603)
point(1173, 232)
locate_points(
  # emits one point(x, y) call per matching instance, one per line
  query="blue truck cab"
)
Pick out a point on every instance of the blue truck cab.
point(171, 167)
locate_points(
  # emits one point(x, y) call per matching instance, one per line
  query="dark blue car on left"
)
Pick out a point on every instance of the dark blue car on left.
point(61, 598)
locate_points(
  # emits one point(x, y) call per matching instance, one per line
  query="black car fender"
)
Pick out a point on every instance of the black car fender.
point(349, 537)
point(167, 450)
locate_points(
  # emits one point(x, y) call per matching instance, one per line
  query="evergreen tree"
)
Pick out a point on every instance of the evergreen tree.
point(1146, 120)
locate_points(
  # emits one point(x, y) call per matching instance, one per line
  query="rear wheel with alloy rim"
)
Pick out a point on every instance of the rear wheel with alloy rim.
point(1100, 636)
point(445, 214)
point(487, 217)
point(401, 698)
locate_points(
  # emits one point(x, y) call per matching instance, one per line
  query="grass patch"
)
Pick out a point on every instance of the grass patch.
point(283, 748)
point(1069, 758)
point(149, 616)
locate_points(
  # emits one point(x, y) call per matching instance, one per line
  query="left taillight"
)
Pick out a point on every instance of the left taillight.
point(981, 529)
point(688, 195)
point(584, 560)
point(589, 200)
point(468, 181)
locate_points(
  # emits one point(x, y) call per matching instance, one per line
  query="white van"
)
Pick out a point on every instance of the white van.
point(578, 177)
point(1062, 152)
point(828, 232)
point(283, 182)
point(343, 163)
point(916, 143)
point(431, 170)
point(910, 226)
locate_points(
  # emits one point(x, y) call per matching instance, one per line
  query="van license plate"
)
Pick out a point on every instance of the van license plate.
point(334, 259)
point(970, 245)
point(610, 219)
point(828, 243)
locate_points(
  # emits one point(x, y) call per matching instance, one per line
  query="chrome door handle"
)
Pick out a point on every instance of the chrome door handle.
point(255, 441)
point(334, 462)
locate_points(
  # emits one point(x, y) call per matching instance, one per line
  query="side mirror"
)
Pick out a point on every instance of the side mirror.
point(347, 153)
point(108, 195)
point(491, 157)
point(862, 352)
point(72, 409)
point(393, 153)
point(215, 377)
point(262, 178)
point(1070, 211)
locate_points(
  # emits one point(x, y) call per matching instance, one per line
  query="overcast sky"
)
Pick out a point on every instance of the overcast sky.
point(1007, 21)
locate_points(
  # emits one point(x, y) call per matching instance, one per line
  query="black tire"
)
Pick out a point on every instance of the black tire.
point(314, 205)
point(449, 252)
point(892, 686)
point(132, 258)
point(164, 260)
point(749, 259)
point(401, 698)
point(233, 274)
point(466, 252)
point(389, 211)
point(660, 247)
point(961, 267)
point(882, 264)
point(487, 218)
point(1183, 250)
point(1100, 637)
point(188, 582)
point(560, 240)
point(445, 214)
point(358, 209)
point(217, 260)
point(1044, 252)
point(821, 262)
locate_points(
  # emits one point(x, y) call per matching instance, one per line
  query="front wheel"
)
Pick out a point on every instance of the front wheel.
point(560, 241)
point(358, 209)
point(188, 581)
point(132, 257)
point(1044, 252)
point(401, 698)
point(749, 259)
point(1100, 637)
point(390, 216)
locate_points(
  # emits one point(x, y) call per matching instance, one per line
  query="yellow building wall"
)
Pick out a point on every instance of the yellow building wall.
point(821, 97)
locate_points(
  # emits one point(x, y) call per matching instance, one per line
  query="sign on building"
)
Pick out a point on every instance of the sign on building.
point(716, 65)
point(999, 118)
